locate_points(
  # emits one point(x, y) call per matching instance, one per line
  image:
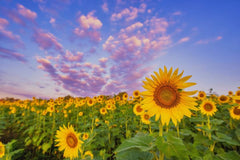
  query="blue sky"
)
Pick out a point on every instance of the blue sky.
point(87, 48)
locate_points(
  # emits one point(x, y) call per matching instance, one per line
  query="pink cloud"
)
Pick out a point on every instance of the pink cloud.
point(73, 58)
point(93, 35)
point(52, 21)
point(129, 14)
point(133, 27)
point(207, 41)
point(178, 13)
point(89, 26)
point(105, 7)
point(184, 39)
point(8, 35)
point(46, 40)
point(11, 54)
point(157, 25)
point(103, 62)
point(89, 21)
point(27, 13)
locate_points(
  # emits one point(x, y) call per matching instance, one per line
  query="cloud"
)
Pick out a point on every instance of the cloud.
point(8, 35)
point(89, 26)
point(133, 27)
point(129, 14)
point(132, 48)
point(184, 39)
point(105, 7)
point(73, 58)
point(27, 13)
point(52, 21)
point(11, 54)
point(178, 13)
point(210, 40)
point(46, 40)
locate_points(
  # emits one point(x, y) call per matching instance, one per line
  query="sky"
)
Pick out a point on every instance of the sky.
point(50, 49)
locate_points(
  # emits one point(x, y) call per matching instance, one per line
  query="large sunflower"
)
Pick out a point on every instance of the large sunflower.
point(68, 140)
point(235, 112)
point(208, 107)
point(2, 149)
point(165, 97)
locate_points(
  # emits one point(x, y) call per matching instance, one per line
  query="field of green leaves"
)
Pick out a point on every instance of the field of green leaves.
point(123, 127)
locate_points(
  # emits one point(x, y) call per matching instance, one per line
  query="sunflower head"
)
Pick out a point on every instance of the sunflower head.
point(223, 99)
point(85, 136)
point(103, 111)
point(68, 140)
point(137, 109)
point(145, 118)
point(2, 149)
point(136, 93)
point(201, 95)
point(88, 153)
point(125, 96)
point(208, 107)
point(235, 112)
point(230, 93)
point(165, 96)
point(237, 93)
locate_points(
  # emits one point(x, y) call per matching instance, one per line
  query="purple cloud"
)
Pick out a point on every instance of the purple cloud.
point(11, 54)
point(46, 40)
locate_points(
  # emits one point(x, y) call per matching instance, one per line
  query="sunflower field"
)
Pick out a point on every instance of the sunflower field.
point(165, 121)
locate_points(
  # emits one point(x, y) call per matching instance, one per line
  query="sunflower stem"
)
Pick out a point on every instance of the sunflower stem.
point(230, 123)
point(209, 127)
point(178, 130)
point(160, 128)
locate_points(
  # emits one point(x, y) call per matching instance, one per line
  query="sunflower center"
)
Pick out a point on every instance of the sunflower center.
point(146, 116)
point(72, 140)
point(208, 107)
point(201, 95)
point(223, 98)
point(237, 101)
point(166, 96)
point(139, 109)
point(236, 111)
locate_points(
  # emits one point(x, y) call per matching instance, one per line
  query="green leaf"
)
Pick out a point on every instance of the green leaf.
point(46, 146)
point(134, 154)
point(140, 141)
point(232, 155)
point(224, 138)
point(172, 146)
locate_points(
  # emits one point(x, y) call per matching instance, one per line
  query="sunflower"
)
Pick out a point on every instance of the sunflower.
point(88, 153)
point(68, 140)
point(85, 136)
point(208, 107)
point(2, 149)
point(108, 106)
point(117, 98)
point(223, 99)
point(145, 118)
point(103, 111)
point(237, 93)
point(80, 114)
point(125, 96)
point(137, 109)
point(166, 98)
point(90, 102)
point(230, 93)
point(136, 93)
point(235, 112)
point(201, 95)
point(236, 99)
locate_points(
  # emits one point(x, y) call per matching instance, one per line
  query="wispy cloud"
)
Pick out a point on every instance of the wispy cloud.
point(25, 12)
point(105, 7)
point(210, 40)
point(8, 35)
point(11, 54)
point(46, 40)
point(129, 14)
point(184, 39)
